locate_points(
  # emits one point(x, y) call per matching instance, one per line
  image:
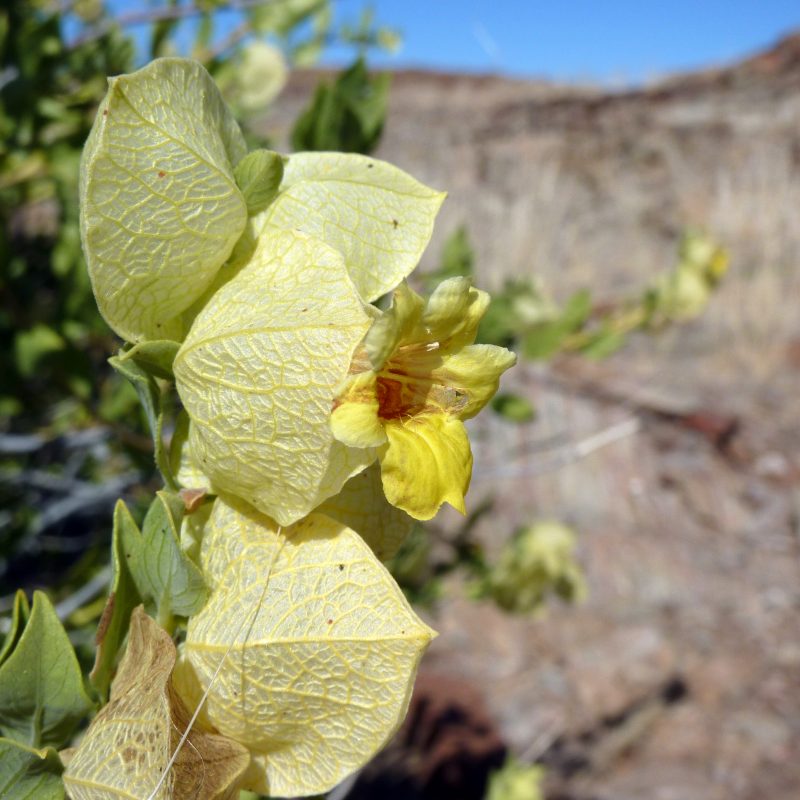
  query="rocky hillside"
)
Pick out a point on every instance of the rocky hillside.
point(678, 460)
point(566, 183)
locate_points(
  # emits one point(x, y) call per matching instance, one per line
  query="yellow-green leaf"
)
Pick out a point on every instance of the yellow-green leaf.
point(130, 742)
point(161, 570)
point(259, 370)
point(149, 394)
point(376, 215)
point(317, 675)
point(259, 175)
point(184, 466)
point(160, 210)
point(154, 357)
point(123, 598)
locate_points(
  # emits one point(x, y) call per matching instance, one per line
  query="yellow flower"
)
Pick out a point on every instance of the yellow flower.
point(412, 382)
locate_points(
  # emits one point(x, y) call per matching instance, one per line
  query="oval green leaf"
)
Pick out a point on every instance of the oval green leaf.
point(29, 774)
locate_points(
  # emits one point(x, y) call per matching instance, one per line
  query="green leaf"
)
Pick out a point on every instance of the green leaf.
point(155, 357)
point(29, 774)
point(514, 407)
point(545, 340)
point(150, 398)
point(123, 598)
point(160, 210)
point(259, 175)
point(161, 570)
point(577, 310)
point(603, 344)
point(307, 54)
point(282, 17)
point(31, 346)
point(345, 116)
point(184, 466)
point(42, 697)
point(377, 216)
point(19, 618)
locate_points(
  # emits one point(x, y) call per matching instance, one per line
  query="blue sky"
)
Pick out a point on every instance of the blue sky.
point(619, 42)
point(623, 41)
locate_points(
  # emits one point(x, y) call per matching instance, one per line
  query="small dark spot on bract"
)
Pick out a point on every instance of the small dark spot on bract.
point(395, 224)
point(161, 173)
point(303, 310)
point(105, 112)
point(370, 166)
point(341, 567)
point(330, 622)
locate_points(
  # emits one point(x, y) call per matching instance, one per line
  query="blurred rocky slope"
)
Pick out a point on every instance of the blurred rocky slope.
point(678, 460)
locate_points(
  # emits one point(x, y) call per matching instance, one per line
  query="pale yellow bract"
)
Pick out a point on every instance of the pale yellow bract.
point(160, 210)
point(377, 216)
point(319, 675)
point(258, 372)
point(362, 506)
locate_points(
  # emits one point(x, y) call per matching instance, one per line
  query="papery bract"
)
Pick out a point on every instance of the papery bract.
point(160, 210)
point(131, 740)
point(377, 216)
point(258, 371)
point(362, 506)
point(317, 674)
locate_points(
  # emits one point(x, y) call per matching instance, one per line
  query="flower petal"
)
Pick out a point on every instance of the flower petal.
point(354, 421)
point(426, 463)
point(399, 323)
point(453, 313)
point(474, 374)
